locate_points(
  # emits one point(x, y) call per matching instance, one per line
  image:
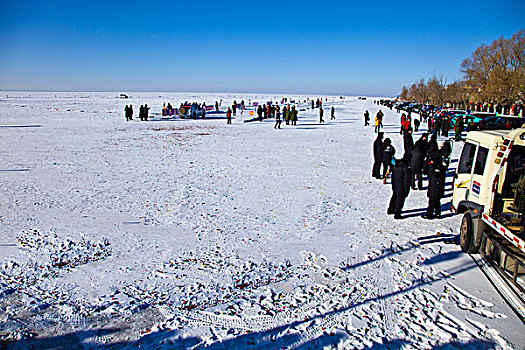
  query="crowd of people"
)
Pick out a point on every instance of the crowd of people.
point(287, 113)
point(424, 157)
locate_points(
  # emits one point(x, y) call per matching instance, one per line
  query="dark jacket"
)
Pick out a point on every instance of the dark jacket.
point(378, 149)
point(388, 153)
point(436, 180)
point(419, 153)
point(401, 178)
point(408, 142)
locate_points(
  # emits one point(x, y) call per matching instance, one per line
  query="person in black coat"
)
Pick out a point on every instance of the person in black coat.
point(432, 145)
point(419, 153)
point(408, 141)
point(416, 124)
point(446, 126)
point(436, 185)
point(388, 154)
point(401, 179)
point(378, 156)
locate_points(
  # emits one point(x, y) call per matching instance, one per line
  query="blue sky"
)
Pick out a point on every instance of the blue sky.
point(330, 47)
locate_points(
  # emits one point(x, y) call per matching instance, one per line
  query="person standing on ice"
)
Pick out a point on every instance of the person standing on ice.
point(403, 118)
point(458, 128)
point(436, 185)
point(229, 116)
point(416, 124)
point(259, 112)
point(378, 156)
point(146, 112)
point(277, 118)
point(332, 113)
point(367, 118)
point(234, 107)
point(378, 123)
point(126, 113)
point(419, 153)
point(286, 115)
point(321, 112)
point(294, 115)
point(130, 112)
point(388, 155)
point(141, 113)
point(401, 179)
point(408, 141)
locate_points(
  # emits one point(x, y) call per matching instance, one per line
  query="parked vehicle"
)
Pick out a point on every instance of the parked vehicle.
point(468, 119)
point(488, 189)
point(498, 123)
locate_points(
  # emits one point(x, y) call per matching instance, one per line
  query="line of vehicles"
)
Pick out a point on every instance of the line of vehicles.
point(473, 120)
point(489, 191)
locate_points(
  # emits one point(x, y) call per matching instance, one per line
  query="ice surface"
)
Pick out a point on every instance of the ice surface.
point(192, 233)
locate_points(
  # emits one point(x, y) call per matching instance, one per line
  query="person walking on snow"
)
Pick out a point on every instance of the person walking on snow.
point(277, 118)
point(367, 118)
point(321, 112)
point(332, 113)
point(293, 115)
point(401, 179)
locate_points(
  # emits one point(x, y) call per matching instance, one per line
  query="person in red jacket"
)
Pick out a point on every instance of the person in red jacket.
point(229, 116)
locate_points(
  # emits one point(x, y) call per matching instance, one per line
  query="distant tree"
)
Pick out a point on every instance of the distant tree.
point(496, 72)
point(436, 89)
point(455, 93)
point(404, 93)
point(493, 73)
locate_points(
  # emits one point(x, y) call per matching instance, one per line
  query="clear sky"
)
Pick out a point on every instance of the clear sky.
point(329, 47)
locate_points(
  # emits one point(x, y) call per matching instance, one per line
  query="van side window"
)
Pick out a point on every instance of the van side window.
point(467, 158)
point(481, 160)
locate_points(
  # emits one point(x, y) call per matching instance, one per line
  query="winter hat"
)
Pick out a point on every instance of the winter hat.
point(380, 135)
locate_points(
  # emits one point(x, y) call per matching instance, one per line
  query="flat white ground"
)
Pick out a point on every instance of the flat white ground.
point(193, 234)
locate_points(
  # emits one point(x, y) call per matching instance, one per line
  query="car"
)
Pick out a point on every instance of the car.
point(503, 122)
point(468, 120)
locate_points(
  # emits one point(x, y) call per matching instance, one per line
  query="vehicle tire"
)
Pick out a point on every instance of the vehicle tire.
point(466, 235)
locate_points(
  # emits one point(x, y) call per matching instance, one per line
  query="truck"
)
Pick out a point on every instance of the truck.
point(489, 190)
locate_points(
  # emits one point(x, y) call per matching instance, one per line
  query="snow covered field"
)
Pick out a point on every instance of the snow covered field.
point(174, 233)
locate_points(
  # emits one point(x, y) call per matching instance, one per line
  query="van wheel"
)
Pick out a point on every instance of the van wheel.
point(466, 235)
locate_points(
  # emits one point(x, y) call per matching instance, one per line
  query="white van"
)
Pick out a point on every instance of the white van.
point(488, 190)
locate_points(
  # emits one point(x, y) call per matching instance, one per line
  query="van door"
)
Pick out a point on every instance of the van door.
point(480, 189)
point(463, 176)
